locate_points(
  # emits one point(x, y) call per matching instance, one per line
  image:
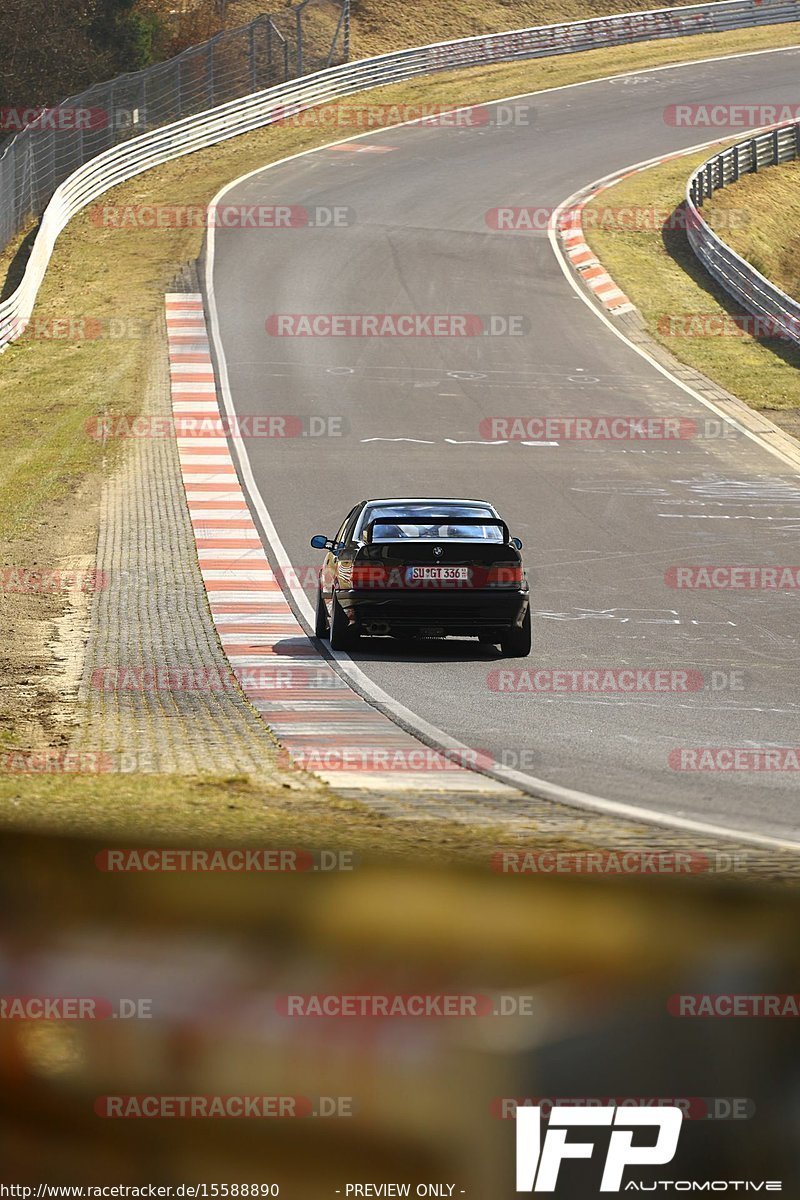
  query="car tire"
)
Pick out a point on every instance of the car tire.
point(321, 623)
point(517, 642)
point(342, 635)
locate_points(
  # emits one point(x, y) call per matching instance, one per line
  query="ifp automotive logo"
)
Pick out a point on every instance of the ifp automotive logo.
point(539, 1160)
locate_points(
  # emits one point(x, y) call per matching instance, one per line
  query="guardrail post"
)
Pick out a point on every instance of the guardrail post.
point(736, 163)
point(51, 162)
point(143, 104)
point(754, 152)
point(343, 28)
point(178, 106)
point(776, 147)
point(797, 141)
point(110, 107)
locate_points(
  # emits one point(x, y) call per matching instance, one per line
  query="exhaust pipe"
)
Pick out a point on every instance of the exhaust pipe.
point(377, 627)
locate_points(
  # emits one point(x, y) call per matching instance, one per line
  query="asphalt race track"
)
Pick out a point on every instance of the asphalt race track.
point(601, 522)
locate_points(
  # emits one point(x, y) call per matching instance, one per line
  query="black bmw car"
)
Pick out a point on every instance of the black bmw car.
point(424, 568)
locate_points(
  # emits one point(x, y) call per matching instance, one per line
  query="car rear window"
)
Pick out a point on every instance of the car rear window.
point(430, 523)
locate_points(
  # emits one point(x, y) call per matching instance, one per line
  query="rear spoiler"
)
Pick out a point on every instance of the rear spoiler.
point(431, 519)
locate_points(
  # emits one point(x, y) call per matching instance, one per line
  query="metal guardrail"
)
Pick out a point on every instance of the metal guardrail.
point(778, 314)
point(262, 108)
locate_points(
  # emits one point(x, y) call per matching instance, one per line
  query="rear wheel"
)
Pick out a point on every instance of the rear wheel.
point(343, 636)
point(517, 642)
point(321, 624)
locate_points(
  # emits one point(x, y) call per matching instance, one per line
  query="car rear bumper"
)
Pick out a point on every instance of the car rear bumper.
point(455, 611)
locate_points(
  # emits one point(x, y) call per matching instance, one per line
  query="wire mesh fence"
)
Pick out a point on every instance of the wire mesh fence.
point(267, 51)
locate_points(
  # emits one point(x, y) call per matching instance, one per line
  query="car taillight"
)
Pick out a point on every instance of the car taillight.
point(366, 575)
point(504, 575)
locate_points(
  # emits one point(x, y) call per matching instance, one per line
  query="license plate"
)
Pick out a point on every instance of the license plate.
point(440, 574)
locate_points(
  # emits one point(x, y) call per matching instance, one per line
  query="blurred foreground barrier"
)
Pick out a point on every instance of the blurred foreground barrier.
point(310, 1029)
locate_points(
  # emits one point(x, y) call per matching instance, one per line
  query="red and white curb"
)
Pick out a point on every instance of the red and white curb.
point(586, 262)
point(579, 252)
point(323, 724)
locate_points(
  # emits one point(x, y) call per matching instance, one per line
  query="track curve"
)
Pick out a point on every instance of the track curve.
point(601, 522)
